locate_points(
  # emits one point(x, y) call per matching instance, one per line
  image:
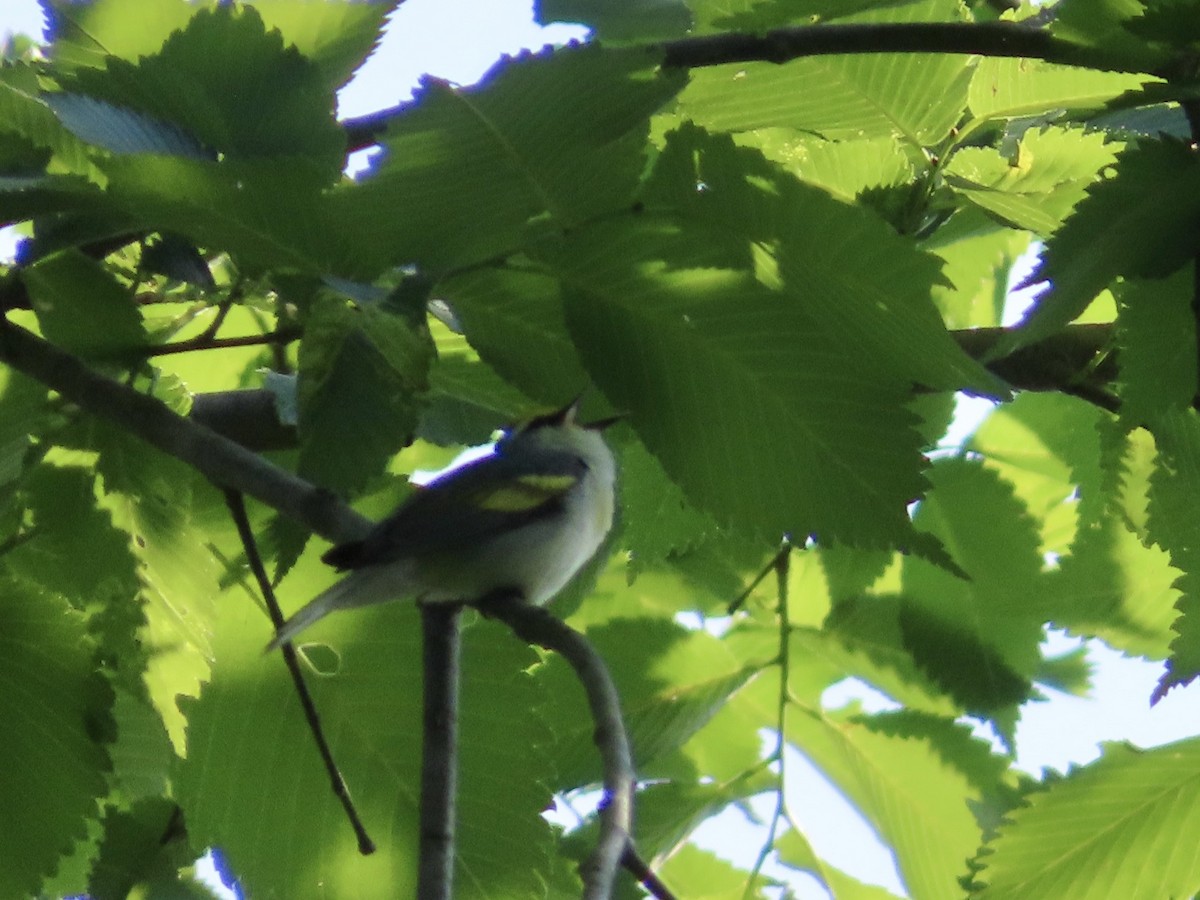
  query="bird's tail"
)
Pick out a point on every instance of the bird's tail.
point(373, 584)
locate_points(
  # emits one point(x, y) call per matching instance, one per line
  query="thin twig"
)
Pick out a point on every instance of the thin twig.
point(647, 877)
point(771, 566)
point(14, 541)
point(537, 626)
point(782, 564)
point(207, 342)
point(442, 654)
point(214, 326)
point(237, 509)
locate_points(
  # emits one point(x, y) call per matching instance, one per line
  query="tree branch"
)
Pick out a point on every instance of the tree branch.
point(535, 625)
point(220, 460)
point(441, 629)
point(209, 342)
point(246, 417)
point(1003, 39)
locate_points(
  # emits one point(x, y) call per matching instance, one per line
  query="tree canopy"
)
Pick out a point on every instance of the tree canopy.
point(778, 234)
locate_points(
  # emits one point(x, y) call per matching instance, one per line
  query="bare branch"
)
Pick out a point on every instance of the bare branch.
point(218, 459)
point(209, 342)
point(1003, 39)
point(442, 654)
point(537, 626)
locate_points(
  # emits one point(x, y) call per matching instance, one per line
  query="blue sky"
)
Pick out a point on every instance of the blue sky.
point(432, 36)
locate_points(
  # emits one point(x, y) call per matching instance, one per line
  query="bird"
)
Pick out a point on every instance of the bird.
point(518, 522)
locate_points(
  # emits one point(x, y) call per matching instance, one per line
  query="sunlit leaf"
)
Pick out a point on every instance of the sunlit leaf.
point(1090, 835)
point(58, 713)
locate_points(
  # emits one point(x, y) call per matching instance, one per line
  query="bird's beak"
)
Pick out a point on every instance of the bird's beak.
point(601, 424)
point(569, 415)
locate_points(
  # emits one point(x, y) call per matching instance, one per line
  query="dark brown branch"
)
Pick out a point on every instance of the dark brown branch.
point(780, 45)
point(441, 629)
point(218, 459)
point(247, 417)
point(237, 509)
point(535, 625)
point(647, 877)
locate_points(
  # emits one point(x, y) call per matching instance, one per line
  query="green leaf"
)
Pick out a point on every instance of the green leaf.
point(66, 516)
point(1167, 21)
point(1119, 828)
point(1140, 222)
point(561, 133)
point(675, 334)
point(1012, 88)
point(1114, 587)
point(143, 758)
point(513, 318)
point(361, 373)
point(271, 809)
point(1046, 447)
point(142, 850)
point(657, 520)
point(150, 497)
point(57, 713)
point(703, 875)
point(337, 36)
point(919, 98)
point(88, 33)
point(822, 266)
point(915, 778)
point(977, 639)
point(877, 171)
point(232, 85)
point(81, 307)
point(977, 258)
point(24, 113)
point(1040, 185)
point(872, 638)
point(684, 349)
point(1174, 525)
point(817, 247)
point(1156, 345)
point(1105, 24)
point(794, 851)
point(1069, 672)
point(262, 213)
point(121, 130)
point(22, 415)
point(467, 400)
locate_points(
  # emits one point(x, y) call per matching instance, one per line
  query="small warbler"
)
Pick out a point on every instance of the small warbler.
point(520, 521)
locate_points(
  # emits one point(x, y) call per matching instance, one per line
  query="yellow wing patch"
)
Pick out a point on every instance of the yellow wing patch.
point(526, 492)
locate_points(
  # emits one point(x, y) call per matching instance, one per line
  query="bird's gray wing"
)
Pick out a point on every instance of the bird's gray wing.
point(487, 497)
